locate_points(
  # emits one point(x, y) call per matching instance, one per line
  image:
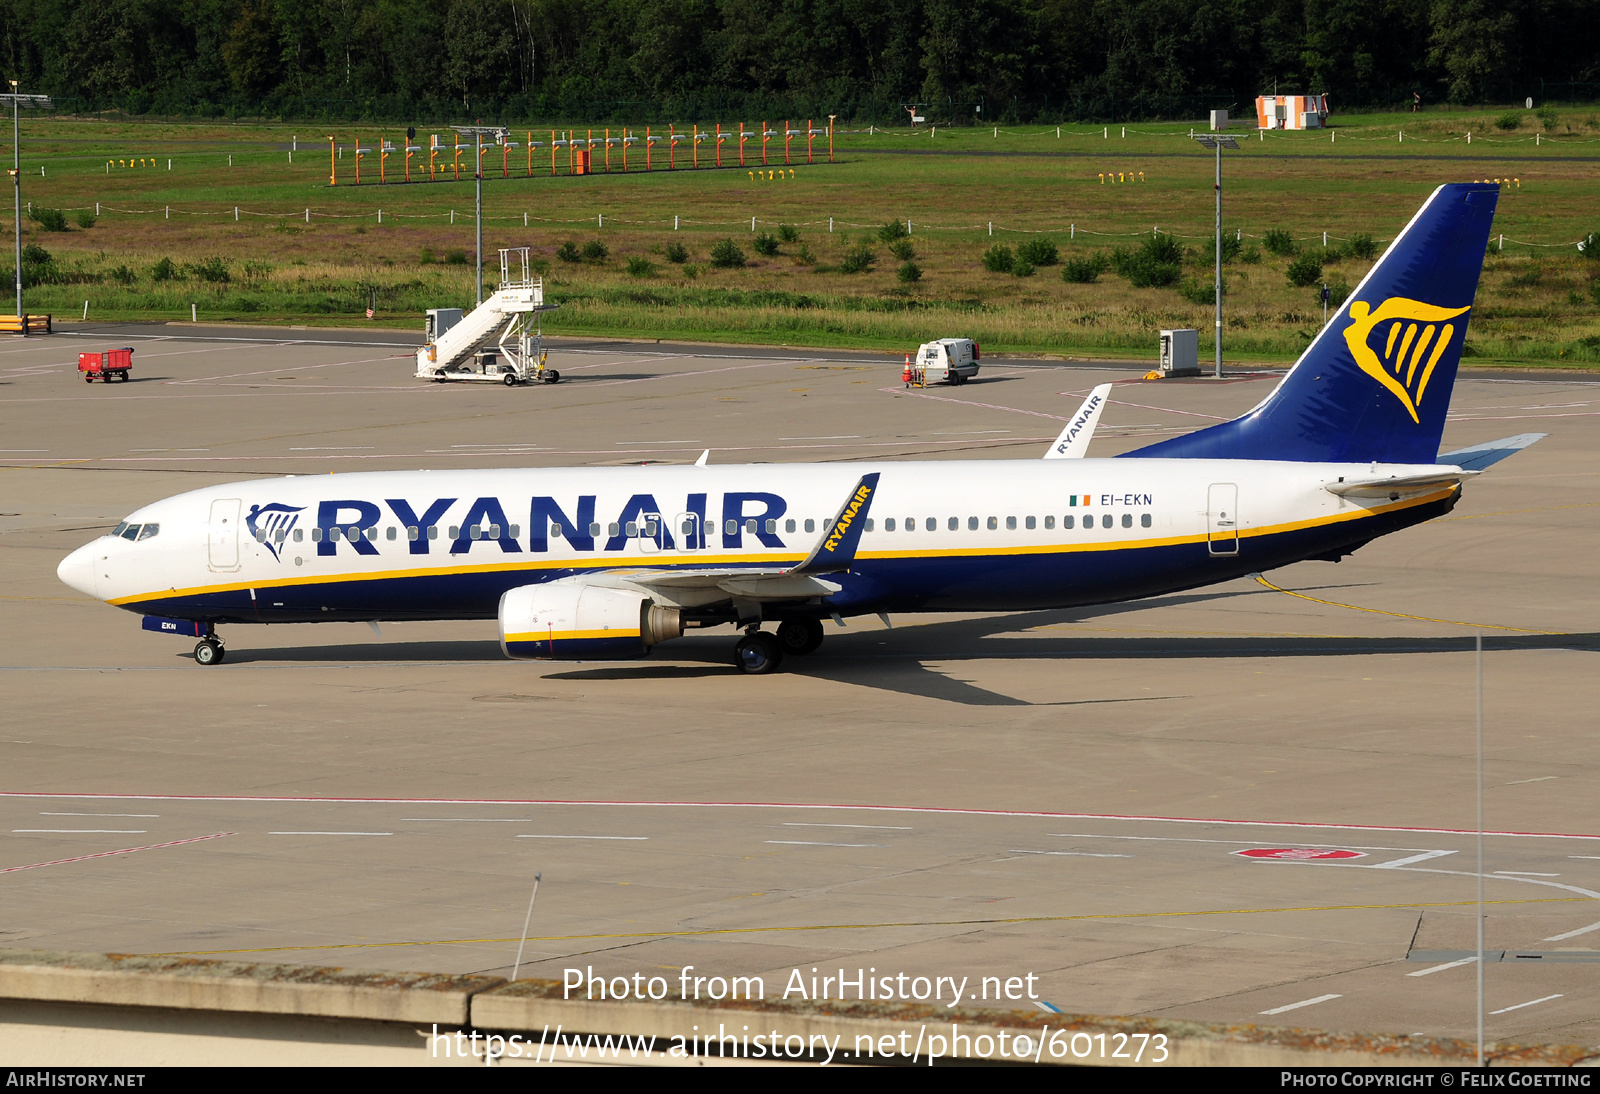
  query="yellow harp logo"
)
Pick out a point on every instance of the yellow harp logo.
point(1414, 328)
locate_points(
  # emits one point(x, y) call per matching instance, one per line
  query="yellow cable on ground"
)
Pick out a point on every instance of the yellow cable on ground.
point(866, 926)
point(1399, 615)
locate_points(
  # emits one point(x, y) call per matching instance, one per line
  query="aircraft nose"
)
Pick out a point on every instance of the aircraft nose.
point(77, 570)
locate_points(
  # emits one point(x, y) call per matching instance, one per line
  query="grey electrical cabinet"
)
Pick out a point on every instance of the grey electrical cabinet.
point(1180, 352)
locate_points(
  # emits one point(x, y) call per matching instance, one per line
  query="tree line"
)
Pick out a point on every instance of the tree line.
point(965, 60)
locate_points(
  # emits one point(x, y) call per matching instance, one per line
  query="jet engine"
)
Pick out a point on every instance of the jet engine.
point(573, 620)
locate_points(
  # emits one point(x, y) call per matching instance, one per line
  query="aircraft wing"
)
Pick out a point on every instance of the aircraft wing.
point(833, 553)
point(1480, 456)
point(1074, 440)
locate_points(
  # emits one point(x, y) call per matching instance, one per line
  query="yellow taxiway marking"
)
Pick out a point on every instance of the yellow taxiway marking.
point(1399, 615)
point(870, 926)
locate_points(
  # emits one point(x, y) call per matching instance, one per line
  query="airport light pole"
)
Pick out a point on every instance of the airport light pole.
point(17, 103)
point(1218, 144)
point(500, 134)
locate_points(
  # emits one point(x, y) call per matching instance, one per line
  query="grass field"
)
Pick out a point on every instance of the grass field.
point(166, 239)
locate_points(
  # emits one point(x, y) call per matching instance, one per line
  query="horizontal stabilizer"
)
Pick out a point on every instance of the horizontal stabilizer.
point(1073, 443)
point(1489, 453)
point(1396, 485)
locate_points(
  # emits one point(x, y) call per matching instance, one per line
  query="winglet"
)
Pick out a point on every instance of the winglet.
point(837, 547)
point(1479, 456)
point(1074, 440)
point(704, 456)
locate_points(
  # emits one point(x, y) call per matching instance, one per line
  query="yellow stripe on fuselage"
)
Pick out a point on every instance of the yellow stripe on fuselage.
point(707, 561)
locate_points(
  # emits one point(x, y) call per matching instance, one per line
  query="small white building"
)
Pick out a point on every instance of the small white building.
point(1291, 111)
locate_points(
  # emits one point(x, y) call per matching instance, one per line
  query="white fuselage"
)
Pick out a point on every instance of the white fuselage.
point(990, 535)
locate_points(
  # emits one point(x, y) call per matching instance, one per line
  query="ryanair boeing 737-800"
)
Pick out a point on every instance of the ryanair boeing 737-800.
point(608, 562)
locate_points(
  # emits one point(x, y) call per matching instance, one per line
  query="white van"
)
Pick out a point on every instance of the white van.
point(950, 359)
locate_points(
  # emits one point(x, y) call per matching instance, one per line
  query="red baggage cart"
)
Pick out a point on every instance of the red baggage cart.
point(112, 363)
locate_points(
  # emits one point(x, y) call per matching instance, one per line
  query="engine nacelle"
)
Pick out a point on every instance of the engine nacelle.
point(572, 620)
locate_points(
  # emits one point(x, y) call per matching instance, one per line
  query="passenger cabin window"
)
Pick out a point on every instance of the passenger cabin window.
point(1105, 521)
point(933, 524)
point(299, 534)
point(954, 523)
point(1066, 521)
point(788, 525)
point(632, 530)
point(1144, 520)
point(1127, 520)
point(994, 524)
point(869, 524)
point(1050, 522)
point(888, 524)
point(811, 525)
point(433, 531)
point(412, 532)
point(594, 529)
point(772, 526)
point(1030, 522)
point(972, 524)
point(730, 528)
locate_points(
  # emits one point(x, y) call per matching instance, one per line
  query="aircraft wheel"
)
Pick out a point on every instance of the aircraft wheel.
point(208, 652)
point(757, 654)
point(511, 379)
point(800, 636)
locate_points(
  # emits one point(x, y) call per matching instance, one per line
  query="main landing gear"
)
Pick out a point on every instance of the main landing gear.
point(758, 653)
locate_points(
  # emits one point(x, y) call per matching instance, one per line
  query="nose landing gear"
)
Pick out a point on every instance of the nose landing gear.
point(209, 650)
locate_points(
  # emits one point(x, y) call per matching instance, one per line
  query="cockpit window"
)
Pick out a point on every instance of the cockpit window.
point(130, 532)
point(117, 531)
point(149, 531)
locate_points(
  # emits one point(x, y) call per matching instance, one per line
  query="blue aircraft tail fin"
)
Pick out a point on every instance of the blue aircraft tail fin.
point(1375, 383)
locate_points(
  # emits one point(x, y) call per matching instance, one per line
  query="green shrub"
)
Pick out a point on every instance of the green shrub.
point(903, 250)
point(85, 219)
point(1508, 121)
point(765, 245)
point(35, 255)
point(639, 266)
point(1022, 269)
point(1251, 255)
point(1155, 262)
point(1232, 246)
point(1305, 270)
point(164, 270)
point(1038, 252)
point(123, 275)
point(858, 259)
point(999, 259)
point(459, 258)
point(426, 257)
point(1278, 241)
point(726, 255)
point(255, 271)
point(595, 251)
point(892, 231)
point(1548, 117)
point(1196, 291)
point(788, 233)
point(567, 252)
point(1338, 292)
point(677, 252)
point(909, 273)
point(1589, 246)
point(213, 270)
point(1085, 271)
point(1362, 245)
point(804, 257)
point(51, 220)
